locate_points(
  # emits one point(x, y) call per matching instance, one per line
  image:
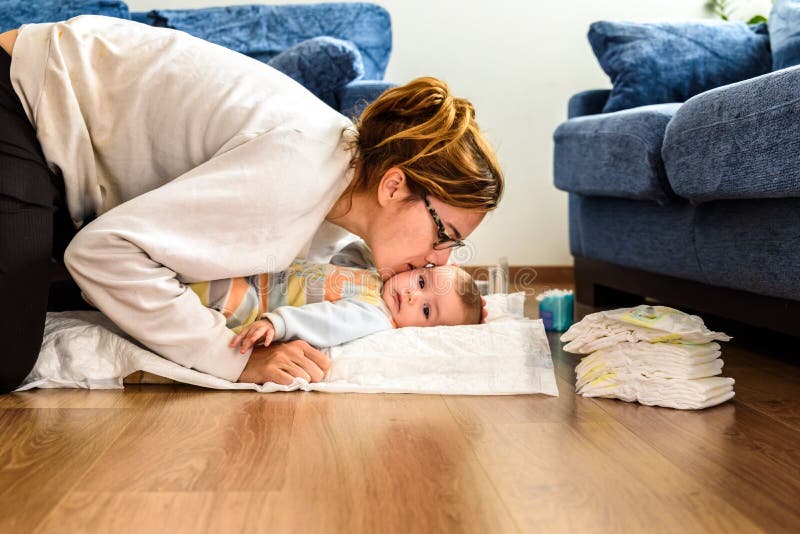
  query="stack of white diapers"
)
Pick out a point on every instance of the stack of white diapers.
point(655, 355)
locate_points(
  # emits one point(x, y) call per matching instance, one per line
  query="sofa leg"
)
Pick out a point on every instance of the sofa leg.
point(595, 298)
point(595, 295)
point(592, 296)
point(599, 285)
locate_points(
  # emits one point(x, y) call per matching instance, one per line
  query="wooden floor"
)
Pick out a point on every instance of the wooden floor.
point(182, 459)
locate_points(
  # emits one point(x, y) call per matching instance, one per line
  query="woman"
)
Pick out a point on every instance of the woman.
point(200, 163)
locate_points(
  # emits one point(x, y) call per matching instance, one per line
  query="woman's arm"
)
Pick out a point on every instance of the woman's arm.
point(237, 214)
point(282, 362)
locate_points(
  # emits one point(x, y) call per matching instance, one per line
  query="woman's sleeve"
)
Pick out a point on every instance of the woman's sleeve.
point(235, 215)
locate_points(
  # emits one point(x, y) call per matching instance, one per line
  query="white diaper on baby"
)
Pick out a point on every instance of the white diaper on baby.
point(86, 350)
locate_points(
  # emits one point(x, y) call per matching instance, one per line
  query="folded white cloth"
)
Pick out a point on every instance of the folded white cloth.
point(86, 350)
point(651, 354)
point(637, 368)
point(677, 353)
point(664, 360)
point(643, 323)
point(678, 393)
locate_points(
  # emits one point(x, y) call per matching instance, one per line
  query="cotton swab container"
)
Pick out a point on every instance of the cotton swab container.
point(556, 309)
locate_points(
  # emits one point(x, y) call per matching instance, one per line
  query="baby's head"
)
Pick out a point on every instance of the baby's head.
point(433, 296)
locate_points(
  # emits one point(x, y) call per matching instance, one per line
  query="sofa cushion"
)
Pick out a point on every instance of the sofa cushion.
point(784, 33)
point(653, 63)
point(321, 65)
point(737, 142)
point(264, 31)
point(614, 154)
point(741, 244)
point(15, 13)
point(751, 245)
point(635, 234)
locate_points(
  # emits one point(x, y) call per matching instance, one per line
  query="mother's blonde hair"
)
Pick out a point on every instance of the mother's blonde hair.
point(432, 136)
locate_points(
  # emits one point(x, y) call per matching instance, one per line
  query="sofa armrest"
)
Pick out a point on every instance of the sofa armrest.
point(738, 141)
point(354, 97)
point(587, 103)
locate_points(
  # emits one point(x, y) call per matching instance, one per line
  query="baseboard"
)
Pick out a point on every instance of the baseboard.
point(522, 275)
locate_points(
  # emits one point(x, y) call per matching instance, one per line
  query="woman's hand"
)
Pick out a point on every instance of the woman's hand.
point(253, 333)
point(283, 362)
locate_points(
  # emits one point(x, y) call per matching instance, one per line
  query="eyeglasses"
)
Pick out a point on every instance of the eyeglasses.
point(445, 241)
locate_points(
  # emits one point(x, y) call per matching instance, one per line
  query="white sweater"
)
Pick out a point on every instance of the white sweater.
point(201, 162)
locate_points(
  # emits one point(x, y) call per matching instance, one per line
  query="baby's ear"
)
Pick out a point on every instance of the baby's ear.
point(485, 311)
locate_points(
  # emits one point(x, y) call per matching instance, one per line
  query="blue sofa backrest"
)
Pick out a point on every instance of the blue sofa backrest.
point(15, 13)
point(263, 31)
point(260, 31)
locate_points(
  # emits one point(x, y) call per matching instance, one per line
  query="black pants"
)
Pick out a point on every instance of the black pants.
point(35, 228)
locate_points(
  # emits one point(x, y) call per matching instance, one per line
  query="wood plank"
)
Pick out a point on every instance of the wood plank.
point(132, 397)
point(744, 450)
point(774, 393)
point(523, 408)
point(590, 474)
point(165, 511)
point(199, 440)
point(44, 453)
point(382, 463)
point(363, 462)
point(740, 455)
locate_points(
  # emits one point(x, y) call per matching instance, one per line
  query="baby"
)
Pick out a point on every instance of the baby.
point(327, 304)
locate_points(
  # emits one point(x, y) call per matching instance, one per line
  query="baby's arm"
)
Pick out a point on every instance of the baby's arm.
point(324, 324)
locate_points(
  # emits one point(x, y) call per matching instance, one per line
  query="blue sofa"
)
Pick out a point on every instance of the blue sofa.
point(339, 51)
point(695, 204)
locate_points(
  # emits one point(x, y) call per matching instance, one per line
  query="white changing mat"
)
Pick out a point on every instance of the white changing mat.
point(84, 349)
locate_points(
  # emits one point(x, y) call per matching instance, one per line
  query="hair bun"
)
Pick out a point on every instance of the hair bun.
point(423, 96)
point(429, 133)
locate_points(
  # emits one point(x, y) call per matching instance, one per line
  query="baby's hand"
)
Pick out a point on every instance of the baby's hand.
point(253, 333)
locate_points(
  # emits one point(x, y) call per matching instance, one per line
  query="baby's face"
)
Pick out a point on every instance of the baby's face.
point(424, 297)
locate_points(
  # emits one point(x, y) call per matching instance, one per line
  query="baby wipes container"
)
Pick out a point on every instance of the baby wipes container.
point(556, 309)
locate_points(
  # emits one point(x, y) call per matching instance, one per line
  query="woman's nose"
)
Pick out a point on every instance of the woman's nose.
point(438, 257)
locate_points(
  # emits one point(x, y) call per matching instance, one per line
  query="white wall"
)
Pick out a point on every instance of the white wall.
point(518, 62)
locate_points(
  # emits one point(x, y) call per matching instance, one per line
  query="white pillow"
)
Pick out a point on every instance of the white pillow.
point(86, 350)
